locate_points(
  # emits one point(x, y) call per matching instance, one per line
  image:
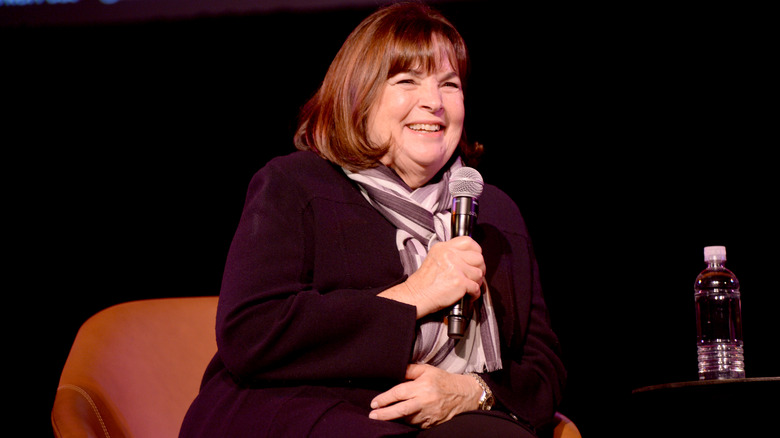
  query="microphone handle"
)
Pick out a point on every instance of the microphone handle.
point(464, 216)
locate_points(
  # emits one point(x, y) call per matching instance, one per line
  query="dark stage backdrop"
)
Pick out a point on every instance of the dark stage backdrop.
point(630, 138)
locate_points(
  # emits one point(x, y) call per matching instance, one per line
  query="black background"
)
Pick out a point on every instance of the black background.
point(630, 138)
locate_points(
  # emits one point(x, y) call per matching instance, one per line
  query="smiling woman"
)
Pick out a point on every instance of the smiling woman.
point(332, 315)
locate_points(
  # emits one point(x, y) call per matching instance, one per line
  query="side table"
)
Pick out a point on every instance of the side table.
point(708, 408)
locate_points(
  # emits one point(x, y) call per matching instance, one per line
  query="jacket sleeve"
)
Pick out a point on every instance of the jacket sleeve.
point(531, 382)
point(275, 323)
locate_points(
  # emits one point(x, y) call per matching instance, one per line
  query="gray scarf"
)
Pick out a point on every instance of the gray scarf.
point(422, 218)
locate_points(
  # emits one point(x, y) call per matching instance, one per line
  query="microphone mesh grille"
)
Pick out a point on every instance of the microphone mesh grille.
point(466, 181)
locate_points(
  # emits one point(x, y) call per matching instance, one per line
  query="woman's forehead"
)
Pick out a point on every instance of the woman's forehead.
point(429, 58)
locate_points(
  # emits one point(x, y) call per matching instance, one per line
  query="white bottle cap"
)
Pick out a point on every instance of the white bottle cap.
point(714, 253)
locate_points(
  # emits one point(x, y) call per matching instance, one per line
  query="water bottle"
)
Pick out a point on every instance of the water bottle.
point(718, 319)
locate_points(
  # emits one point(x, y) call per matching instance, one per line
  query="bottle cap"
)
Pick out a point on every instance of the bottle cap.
point(714, 253)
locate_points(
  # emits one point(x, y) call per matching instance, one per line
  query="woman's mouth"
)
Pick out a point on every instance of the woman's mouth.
point(425, 127)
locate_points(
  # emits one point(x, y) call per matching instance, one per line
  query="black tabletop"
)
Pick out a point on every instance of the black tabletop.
point(729, 408)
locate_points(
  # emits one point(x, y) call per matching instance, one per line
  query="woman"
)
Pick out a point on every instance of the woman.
point(331, 318)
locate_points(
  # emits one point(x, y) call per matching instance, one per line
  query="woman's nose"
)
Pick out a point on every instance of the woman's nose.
point(430, 97)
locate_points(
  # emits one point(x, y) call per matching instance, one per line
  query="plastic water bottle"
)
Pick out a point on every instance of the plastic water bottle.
point(718, 319)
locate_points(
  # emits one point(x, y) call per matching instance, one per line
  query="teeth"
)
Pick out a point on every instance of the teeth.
point(425, 127)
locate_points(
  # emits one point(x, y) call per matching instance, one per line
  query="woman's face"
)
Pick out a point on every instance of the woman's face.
point(421, 115)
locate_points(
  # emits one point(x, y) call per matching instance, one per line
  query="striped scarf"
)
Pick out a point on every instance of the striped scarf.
point(422, 218)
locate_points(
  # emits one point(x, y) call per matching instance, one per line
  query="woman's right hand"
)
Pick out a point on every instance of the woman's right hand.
point(451, 270)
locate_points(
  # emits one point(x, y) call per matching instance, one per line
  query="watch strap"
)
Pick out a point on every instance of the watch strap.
point(486, 401)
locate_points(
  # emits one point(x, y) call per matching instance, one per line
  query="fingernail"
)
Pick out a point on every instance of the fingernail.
point(372, 415)
point(374, 405)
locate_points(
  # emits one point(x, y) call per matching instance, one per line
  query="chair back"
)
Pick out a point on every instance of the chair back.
point(134, 368)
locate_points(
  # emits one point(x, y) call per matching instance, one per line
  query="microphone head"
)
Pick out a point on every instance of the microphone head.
point(466, 181)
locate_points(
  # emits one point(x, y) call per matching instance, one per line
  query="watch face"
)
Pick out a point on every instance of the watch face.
point(489, 402)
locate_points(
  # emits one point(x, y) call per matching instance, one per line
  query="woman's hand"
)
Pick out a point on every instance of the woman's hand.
point(451, 270)
point(431, 396)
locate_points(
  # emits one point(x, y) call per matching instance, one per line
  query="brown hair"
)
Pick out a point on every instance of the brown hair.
point(396, 38)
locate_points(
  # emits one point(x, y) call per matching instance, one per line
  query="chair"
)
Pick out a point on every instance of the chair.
point(134, 368)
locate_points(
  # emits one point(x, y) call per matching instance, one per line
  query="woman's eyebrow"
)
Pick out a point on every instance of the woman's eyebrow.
point(421, 73)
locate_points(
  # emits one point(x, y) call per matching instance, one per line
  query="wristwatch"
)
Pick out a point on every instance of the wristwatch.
point(487, 401)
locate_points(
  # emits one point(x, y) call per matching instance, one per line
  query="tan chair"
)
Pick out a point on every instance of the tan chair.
point(565, 428)
point(135, 367)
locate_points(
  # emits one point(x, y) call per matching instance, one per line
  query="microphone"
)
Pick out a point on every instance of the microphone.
point(465, 186)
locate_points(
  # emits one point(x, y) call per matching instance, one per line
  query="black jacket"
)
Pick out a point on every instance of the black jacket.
point(301, 333)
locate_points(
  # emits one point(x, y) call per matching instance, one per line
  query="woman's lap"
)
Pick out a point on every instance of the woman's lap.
point(479, 424)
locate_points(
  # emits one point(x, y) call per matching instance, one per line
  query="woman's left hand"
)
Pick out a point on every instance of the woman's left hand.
point(430, 396)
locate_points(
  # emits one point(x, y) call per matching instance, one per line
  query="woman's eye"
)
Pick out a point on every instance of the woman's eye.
point(452, 84)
